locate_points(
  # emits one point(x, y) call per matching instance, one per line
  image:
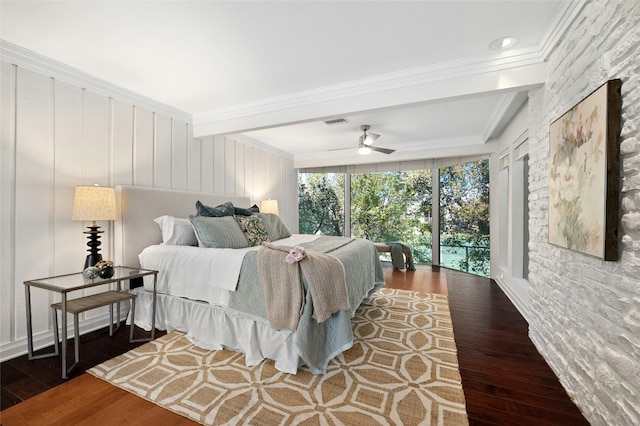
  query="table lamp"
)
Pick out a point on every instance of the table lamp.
point(269, 206)
point(93, 203)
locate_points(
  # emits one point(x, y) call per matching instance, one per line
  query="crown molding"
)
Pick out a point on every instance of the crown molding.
point(33, 61)
point(501, 61)
point(507, 106)
point(565, 15)
point(372, 85)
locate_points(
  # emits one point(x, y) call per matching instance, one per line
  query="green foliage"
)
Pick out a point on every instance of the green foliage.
point(464, 214)
point(393, 207)
point(320, 203)
point(397, 206)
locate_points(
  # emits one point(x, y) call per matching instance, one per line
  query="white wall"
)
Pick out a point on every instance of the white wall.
point(586, 312)
point(57, 134)
point(507, 212)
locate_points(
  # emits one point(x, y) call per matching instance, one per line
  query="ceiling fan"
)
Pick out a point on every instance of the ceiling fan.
point(367, 139)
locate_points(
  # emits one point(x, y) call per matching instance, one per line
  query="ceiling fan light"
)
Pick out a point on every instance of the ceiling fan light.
point(364, 150)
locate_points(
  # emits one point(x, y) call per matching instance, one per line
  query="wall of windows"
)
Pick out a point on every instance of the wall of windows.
point(464, 217)
point(395, 202)
point(321, 203)
point(393, 206)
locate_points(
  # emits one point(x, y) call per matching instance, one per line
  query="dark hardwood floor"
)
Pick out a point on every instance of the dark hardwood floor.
point(21, 379)
point(505, 380)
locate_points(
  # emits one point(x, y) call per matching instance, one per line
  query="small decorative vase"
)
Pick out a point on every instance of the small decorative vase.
point(90, 273)
point(105, 268)
point(106, 271)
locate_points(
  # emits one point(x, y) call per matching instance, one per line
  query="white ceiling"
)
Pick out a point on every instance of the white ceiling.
point(419, 72)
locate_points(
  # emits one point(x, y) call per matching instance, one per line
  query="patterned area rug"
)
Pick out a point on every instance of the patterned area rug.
point(402, 369)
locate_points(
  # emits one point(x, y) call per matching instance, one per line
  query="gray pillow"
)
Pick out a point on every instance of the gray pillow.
point(275, 227)
point(218, 232)
point(225, 209)
point(239, 211)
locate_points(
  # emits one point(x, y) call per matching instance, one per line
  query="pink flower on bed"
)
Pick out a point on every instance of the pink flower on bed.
point(295, 255)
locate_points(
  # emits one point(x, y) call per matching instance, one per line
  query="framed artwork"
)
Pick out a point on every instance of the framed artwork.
point(584, 174)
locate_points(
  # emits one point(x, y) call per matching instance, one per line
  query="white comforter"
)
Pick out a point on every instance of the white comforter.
point(196, 273)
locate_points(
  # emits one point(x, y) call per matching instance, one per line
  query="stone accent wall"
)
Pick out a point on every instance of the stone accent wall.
point(586, 312)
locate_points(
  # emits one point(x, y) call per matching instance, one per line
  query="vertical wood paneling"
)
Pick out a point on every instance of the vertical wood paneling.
point(207, 165)
point(219, 165)
point(162, 150)
point(194, 162)
point(7, 173)
point(179, 166)
point(143, 148)
point(56, 136)
point(34, 193)
point(260, 161)
point(230, 166)
point(95, 134)
point(249, 178)
point(240, 169)
point(122, 143)
point(291, 196)
point(69, 171)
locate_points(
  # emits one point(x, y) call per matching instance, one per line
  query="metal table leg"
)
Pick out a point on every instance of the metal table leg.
point(27, 298)
point(30, 355)
point(64, 335)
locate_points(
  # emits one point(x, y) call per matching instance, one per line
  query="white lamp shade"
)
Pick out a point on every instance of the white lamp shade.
point(94, 203)
point(269, 206)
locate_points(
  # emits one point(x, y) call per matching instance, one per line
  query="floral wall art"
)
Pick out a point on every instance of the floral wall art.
point(584, 180)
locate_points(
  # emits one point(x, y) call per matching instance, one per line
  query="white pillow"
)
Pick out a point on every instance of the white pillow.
point(176, 231)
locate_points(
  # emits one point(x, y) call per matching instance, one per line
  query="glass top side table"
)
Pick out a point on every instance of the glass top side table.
point(65, 284)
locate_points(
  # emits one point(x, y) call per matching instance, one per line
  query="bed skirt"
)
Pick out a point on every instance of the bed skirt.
point(214, 327)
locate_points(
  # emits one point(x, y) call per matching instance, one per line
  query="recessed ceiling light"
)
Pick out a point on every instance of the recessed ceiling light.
point(503, 43)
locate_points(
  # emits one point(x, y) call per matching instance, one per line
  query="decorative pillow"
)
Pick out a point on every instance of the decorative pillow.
point(225, 209)
point(176, 231)
point(275, 227)
point(254, 208)
point(253, 229)
point(218, 232)
point(242, 212)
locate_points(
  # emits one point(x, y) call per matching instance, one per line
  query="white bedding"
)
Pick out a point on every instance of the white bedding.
point(196, 273)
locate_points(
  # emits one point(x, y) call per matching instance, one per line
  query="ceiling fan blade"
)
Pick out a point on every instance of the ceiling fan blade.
point(383, 150)
point(339, 149)
point(371, 138)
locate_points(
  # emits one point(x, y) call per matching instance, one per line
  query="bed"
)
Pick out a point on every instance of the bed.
point(214, 314)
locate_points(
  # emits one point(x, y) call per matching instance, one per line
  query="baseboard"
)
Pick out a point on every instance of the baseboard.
point(44, 339)
point(521, 305)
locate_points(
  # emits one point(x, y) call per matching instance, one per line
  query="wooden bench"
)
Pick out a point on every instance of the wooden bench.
point(383, 248)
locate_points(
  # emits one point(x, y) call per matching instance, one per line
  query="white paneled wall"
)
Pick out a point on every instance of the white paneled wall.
point(57, 135)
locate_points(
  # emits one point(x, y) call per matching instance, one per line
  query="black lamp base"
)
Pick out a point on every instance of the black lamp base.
point(92, 260)
point(94, 256)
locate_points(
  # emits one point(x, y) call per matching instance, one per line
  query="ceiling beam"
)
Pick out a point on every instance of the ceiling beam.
point(497, 75)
